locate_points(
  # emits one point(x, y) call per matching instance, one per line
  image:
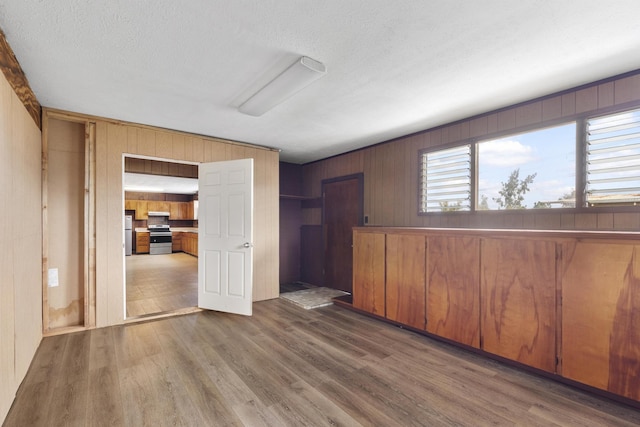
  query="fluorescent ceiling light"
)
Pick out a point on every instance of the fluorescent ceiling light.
point(299, 75)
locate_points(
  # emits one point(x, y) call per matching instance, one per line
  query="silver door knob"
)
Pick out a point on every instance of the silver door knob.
point(247, 245)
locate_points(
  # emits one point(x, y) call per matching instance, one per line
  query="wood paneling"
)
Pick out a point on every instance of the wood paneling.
point(600, 318)
point(113, 140)
point(21, 242)
point(369, 272)
point(405, 291)
point(453, 288)
point(14, 74)
point(390, 168)
point(518, 289)
point(66, 222)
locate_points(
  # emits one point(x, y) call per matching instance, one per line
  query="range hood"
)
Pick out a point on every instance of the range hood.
point(157, 213)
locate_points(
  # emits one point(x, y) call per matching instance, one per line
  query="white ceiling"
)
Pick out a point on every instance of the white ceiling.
point(145, 183)
point(393, 67)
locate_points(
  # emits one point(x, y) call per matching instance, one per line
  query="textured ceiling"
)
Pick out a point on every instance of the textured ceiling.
point(394, 67)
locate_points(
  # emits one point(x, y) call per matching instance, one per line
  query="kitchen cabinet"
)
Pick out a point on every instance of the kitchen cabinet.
point(518, 303)
point(142, 209)
point(130, 205)
point(369, 272)
point(190, 243)
point(600, 318)
point(158, 206)
point(453, 288)
point(142, 242)
point(174, 210)
point(405, 281)
point(181, 210)
point(176, 241)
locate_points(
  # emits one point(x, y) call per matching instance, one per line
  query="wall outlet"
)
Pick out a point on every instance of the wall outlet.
point(53, 278)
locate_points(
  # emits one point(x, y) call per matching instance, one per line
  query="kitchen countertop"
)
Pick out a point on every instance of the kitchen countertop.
point(174, 229)
point(185, 229)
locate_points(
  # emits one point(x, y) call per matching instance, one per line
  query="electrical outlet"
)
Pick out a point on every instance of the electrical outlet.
point(53, 278)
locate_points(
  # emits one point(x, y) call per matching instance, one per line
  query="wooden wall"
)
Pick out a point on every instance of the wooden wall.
point(20, 240)
point(115, 140)
point(391, 169)
point(65, 218)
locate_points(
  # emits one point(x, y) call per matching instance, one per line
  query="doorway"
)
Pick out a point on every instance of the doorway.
point(342, 209)
point(160, 193)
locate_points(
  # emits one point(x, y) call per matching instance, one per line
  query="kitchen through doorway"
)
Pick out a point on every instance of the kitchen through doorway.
point(161, 236)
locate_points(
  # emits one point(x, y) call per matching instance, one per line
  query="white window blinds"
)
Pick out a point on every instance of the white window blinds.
point(613, 160)
point(445, 183)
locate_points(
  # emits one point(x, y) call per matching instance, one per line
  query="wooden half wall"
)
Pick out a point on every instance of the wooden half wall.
point(114, 141)
point(391, 169)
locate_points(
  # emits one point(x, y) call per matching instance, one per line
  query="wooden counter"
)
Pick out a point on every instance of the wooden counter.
point(563, 302)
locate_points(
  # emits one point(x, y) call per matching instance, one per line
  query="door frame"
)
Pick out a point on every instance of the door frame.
point(126, 154)
point(359, 177)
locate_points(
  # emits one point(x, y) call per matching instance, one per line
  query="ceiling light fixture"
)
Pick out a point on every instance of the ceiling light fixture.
point(299, 75)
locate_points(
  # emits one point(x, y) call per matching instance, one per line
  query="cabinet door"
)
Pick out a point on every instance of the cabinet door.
point(601, 317)
point(142, 242)
point(369, 272)
point(174, 210)
point(405, 286)
point(130, 205)
point(176, 241)
point(142, 209)
point(453, 288)
point(159, 206)
point(518, 304)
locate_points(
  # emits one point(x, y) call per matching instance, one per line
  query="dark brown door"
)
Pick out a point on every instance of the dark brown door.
point(342, 210)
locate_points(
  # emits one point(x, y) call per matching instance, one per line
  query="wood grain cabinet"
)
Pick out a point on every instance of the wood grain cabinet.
point(561, 302)
point(369, 272)
point(176, 241)
point(190, 243)
point(140, 206)
point(158, 206)
point(405, 282)
point(142, 242)
point(180, 210)
point(518, 304)
point(601, 315)
point(453, 288)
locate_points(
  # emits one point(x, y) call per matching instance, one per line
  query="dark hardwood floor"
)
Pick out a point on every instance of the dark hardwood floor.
point(286, 366)
point(161, 283)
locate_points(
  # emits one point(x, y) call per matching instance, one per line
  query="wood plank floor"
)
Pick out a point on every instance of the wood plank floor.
point(286, 366)
point(161, 283)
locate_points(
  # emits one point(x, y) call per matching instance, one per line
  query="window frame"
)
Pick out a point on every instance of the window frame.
point(421, 179)
point(580, 165)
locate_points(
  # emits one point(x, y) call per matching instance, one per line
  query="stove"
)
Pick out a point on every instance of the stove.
point(159, 239)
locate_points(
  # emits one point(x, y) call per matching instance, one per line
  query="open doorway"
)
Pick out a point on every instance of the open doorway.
point(161, 236)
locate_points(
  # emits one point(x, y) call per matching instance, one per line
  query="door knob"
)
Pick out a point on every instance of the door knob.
point(247, 245)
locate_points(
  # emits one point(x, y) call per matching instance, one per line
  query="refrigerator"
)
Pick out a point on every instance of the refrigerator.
point(128, 235)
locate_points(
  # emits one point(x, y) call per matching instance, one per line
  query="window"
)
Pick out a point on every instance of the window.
point(528, 170)
point(613, 160)
point(445, 183)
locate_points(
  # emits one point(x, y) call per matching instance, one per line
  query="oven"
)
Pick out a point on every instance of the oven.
point(159, 242)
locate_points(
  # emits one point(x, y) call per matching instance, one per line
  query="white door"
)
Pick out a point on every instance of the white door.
point(225, 222)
